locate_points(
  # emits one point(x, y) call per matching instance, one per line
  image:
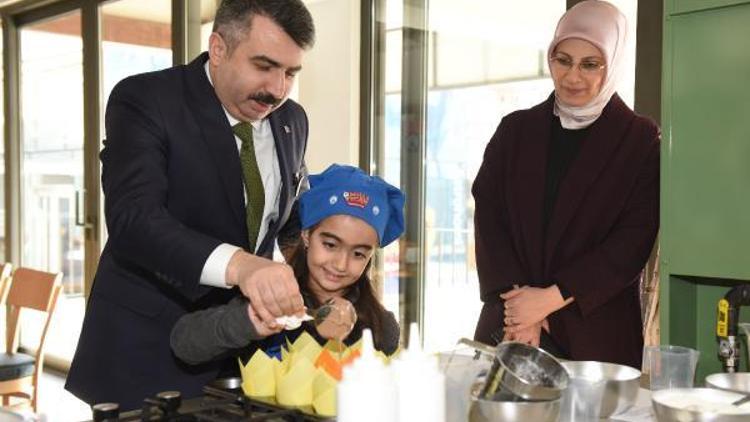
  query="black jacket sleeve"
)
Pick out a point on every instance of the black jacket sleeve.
point(135, 180)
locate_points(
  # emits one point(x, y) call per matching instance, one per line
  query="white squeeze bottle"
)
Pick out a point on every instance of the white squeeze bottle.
point(366, 392)
point(419, 382)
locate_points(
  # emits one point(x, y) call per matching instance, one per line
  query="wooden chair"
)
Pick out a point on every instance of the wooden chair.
point(19, 372)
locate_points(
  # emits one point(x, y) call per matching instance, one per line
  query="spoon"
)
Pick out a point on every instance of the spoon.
point(334, 319)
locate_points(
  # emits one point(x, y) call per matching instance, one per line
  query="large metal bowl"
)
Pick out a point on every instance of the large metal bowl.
point(681, 404)
point(738, 382)
point(620, 387)
point(510, 411)
point(526, 371)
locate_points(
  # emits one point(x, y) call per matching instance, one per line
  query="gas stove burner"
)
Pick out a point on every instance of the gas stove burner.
point(216, 405)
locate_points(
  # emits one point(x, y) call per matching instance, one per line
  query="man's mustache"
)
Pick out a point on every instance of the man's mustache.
point(266, 98)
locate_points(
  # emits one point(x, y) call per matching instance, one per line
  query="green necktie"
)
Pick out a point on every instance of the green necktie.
point(256, 197)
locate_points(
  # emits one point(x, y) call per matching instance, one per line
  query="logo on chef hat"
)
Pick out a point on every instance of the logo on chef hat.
point(356, 199)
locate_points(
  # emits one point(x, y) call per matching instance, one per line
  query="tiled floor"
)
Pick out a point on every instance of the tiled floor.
point(58, 405)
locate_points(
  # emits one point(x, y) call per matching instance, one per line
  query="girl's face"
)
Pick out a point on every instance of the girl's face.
point(338, 250)
point(578, 69)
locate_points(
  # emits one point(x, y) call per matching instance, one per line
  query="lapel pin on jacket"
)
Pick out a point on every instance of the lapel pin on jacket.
point(287, 129)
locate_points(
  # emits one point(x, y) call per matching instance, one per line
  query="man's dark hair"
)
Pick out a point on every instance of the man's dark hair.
point(233, 19)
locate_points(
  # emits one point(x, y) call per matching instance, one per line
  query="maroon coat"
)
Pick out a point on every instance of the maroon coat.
point(601, 229)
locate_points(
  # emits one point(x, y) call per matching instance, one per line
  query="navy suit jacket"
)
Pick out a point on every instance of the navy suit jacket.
point(600, 233)
point(173, 191)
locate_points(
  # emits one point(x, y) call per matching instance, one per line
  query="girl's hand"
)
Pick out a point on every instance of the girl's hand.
point(529, 306)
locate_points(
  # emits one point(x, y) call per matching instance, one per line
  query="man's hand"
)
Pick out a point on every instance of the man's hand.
point(262, 329)
point(270, 286)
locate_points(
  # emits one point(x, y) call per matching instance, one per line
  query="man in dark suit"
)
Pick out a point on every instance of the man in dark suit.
point(201, 168)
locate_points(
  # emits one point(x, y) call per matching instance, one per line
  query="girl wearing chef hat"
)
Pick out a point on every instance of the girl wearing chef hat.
point(345, 216)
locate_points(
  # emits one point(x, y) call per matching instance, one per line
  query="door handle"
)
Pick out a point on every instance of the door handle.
point(81, 209)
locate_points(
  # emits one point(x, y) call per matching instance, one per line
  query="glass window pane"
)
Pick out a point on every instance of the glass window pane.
point(2, 174)
point(136, 38)
point(488, 63)
point(387, 163)
point(626, 88)
point(2, 157)
point(51, 73)
point(393, 51)
point(208, 12)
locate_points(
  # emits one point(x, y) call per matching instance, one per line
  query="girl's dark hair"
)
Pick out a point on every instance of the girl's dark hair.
point(369, 309)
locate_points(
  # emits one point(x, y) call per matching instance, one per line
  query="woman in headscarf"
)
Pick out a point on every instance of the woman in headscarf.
point(567, 204)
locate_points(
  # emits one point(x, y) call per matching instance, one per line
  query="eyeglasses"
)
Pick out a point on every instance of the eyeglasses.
point(565, 64)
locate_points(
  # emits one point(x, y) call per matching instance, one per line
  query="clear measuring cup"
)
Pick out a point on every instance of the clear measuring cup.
point(462, 370)
point(671, 366)
point(582, 400)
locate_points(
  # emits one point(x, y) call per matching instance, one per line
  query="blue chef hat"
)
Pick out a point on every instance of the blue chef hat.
point(348, 190)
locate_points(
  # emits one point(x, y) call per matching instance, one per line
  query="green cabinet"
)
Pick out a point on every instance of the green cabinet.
point(705, 211)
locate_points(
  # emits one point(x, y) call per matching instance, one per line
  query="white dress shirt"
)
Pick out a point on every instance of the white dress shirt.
point(214, 270)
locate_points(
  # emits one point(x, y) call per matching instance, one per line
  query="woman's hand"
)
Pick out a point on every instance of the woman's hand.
point(529, 335)
point(527, 306)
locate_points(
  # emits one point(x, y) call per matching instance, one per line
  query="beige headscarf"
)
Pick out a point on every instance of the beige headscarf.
point(603, 25)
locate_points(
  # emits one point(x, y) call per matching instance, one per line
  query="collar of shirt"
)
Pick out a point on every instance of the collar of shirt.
point(232, 121)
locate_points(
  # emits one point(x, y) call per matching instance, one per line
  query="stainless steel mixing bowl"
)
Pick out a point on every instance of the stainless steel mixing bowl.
point(738, 382)
point(526, 371)
point(620, 387)
point(666, 408)
point(510, 411)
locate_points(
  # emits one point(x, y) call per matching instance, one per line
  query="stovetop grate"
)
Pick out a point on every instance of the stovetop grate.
point(219, 406)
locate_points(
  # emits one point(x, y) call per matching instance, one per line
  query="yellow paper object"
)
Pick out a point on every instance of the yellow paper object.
point(295, 388)
point(302, 341)
point(327, 361)
point(350, 356)
point(324, 394)
point(356, 346)
point(258, 376)
point(307, 375)
point(323, 382)
point(335, 347)
point(280, 369)
point(396, 353)
point(383, 357)
point(310, 351)
point(325, 404)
